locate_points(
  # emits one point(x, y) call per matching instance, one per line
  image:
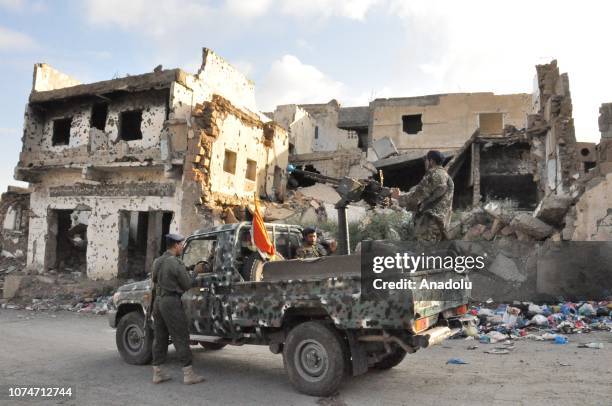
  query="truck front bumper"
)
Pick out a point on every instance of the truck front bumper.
point(112, 318)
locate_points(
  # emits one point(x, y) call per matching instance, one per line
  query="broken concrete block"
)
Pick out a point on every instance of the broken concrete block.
point(277, 213)
point(384, 148)
point(12, 283)
point(475, 232)
point(496, 226)
point(495, 210)
point(321, 192)
point(506, 231)
point(309, 217)
point(531, 226)
point(552, 209)
point(506, 269)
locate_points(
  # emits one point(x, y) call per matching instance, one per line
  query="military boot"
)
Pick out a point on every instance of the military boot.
point(159, 376)
point(191, 377)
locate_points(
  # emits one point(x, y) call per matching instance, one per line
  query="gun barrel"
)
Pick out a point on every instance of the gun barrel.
point(317, 177)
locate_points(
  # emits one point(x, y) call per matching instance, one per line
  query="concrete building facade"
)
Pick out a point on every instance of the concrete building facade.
point(115, 165)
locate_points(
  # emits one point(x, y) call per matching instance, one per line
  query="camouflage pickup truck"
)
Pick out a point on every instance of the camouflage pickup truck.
point(312, 311)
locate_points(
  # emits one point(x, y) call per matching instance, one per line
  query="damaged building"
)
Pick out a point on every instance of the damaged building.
point(518, 150)
point(115, 165)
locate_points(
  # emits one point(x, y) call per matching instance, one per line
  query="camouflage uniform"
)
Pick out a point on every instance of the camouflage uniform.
point(311, 251)
point(432, 202)
point(171, 280)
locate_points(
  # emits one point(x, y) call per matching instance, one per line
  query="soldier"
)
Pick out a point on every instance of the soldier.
point(431, 200)
point(310, 247)
point(171, 280)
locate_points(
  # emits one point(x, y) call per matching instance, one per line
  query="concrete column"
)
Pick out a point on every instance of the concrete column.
point(154, 236)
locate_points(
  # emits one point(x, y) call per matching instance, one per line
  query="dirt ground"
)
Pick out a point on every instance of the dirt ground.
point(63, 348)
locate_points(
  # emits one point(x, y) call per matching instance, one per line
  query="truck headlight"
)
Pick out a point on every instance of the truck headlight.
point(115, 298)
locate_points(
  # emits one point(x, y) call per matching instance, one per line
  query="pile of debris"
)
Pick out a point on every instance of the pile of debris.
point(54, 291)
point(500, 219)
point(539, 322)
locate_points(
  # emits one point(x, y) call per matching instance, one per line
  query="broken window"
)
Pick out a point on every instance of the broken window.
point(129, 125)
point(61, 131)
point(412, 124)
point(99, 113)
point(251, 170)
point(229, 162)
point(491, 123)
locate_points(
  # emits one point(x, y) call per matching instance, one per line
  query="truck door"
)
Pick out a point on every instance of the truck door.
point(200, 253)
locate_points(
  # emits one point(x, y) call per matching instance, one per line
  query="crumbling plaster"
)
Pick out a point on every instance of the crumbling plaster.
point(594, 212)
point(176, 167)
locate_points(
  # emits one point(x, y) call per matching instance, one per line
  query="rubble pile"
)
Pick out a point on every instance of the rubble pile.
point(501, 220)
point(526, 320)
point(53, 292)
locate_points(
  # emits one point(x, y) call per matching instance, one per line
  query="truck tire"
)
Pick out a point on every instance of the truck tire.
point(212, 346)
point(134, 346)
point(391, 360)
point(252, 267)
point(314, 358)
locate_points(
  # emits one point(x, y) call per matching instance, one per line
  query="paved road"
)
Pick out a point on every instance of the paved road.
point(75, 349)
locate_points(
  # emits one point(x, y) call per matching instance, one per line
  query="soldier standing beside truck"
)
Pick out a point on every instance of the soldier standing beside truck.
point(170, 280)
point(431, 200)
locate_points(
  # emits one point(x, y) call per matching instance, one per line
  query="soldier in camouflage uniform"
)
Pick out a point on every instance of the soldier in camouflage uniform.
point(170, 280)
point(431, 200)
point(310, 247)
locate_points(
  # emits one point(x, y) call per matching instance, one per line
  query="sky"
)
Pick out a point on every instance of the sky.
point(308, 51)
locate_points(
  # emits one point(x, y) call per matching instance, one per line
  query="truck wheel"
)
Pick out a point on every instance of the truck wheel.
point(391, 360)
point(135, 348)
point(212, 346)
point(314, 358)
point(252, 267)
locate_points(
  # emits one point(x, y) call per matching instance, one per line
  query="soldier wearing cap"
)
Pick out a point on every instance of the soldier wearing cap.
point(431, 200)
point(170, 280)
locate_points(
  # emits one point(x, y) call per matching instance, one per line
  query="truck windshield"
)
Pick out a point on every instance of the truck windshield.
point(201, 249)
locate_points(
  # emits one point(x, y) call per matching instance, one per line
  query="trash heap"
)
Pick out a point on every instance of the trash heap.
point(554, 322)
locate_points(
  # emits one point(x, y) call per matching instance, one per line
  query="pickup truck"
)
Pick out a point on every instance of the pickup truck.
point(312, 311)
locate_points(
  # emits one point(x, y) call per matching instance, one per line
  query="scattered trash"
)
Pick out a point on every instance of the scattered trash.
point(560, 340)
point(497, 351)
point(456, 361)
point(598, 346)
point(563, 364)
point(493, 337)
point(539, 320)
point(472, 347)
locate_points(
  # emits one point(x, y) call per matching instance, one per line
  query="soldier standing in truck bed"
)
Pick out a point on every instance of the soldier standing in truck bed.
point(310, 247)
point(170, 280)
point(431, 200)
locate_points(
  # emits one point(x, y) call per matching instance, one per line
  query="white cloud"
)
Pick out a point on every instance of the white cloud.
point(248, 9)
point(352, 9)
point(291, 81)
point(15, 41)
point(155, 18)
